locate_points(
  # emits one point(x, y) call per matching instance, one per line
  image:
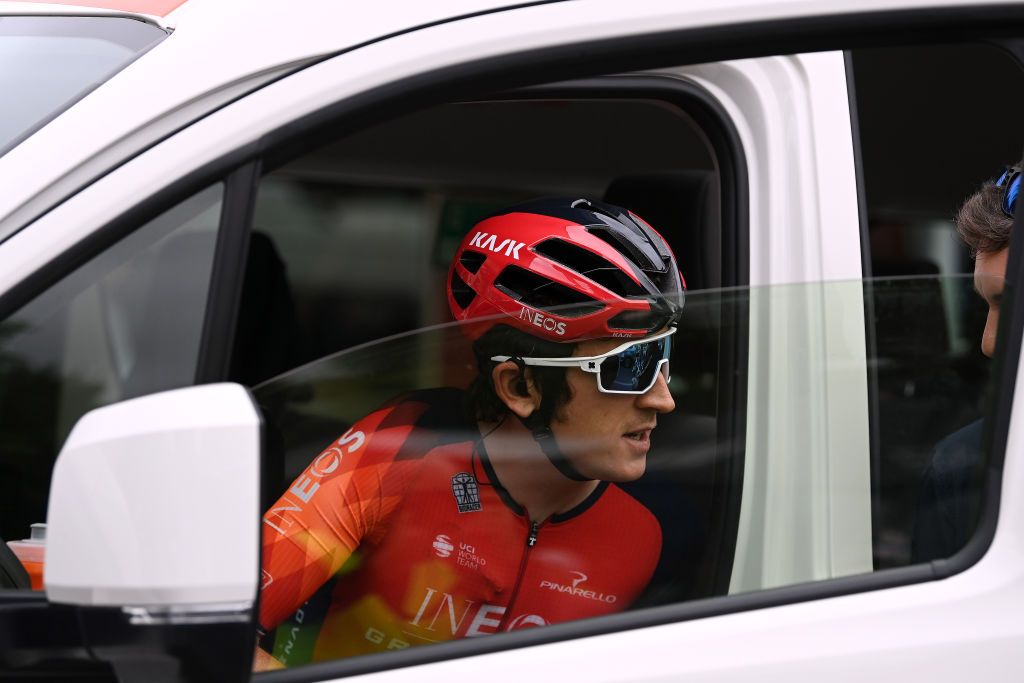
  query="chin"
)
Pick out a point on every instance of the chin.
point(628, 473)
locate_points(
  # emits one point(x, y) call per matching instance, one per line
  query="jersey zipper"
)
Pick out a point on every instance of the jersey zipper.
point(531, 541)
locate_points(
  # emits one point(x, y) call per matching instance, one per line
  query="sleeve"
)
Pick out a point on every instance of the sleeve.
point(344, 496)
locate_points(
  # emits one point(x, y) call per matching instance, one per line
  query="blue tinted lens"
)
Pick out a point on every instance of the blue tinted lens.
point(634, 368)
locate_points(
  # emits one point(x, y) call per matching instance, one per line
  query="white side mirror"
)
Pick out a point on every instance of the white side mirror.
point(154, 505)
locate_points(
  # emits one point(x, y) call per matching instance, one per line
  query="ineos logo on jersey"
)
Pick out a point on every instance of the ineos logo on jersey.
point(489, 242)
point(326, 462)
point(266, 579)
point(526, 621)
point(441, 610)
point(575, 590)
point(306, 485)
point(542, 321)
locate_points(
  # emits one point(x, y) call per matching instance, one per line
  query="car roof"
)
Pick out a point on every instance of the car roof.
point(157, 8)
point(223, 48)
point(152, 8)
point(215, 49)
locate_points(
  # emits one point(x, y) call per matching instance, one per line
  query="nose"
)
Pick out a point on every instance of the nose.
point(659, 398)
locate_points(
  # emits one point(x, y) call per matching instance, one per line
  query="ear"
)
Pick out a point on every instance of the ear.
point(517, 392)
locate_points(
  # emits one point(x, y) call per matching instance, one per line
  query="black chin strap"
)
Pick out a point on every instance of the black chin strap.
point(549, 446)
point(541, 431)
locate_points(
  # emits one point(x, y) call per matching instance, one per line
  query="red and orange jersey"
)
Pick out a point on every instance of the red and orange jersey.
point(406, 507)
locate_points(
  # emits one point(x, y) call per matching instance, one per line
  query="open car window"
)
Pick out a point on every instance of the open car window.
point(392, 526)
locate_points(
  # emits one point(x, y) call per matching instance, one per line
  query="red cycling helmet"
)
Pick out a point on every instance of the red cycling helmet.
point(566, 270)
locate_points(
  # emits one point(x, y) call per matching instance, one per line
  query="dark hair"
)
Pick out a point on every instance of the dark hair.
point(483, 402)
point(981, 223)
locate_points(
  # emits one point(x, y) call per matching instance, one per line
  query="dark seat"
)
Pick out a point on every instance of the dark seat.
point(684, 206)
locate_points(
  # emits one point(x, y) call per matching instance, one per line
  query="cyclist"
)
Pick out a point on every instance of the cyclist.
point(450, 514)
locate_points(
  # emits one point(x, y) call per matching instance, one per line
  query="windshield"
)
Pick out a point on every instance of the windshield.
point(49, 63)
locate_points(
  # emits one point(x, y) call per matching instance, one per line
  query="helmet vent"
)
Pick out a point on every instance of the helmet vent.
point(541, 293)
point(461, 292)
point(622, 245)
point(590, 265)
point(472, 260)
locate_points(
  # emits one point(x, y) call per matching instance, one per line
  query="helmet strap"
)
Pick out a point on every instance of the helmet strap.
point(541, 430)
point(542, 434)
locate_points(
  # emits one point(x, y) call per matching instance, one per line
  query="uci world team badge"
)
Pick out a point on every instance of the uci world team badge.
point(466, 492)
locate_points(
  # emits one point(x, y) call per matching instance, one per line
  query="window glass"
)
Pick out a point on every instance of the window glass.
point(355, 238)
point(817, 430)
point(125, 324)
point(922, 156)
point(52, 61)
point(407, 520)
point(352, 245)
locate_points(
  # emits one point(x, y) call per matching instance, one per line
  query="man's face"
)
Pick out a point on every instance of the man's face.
point(989, 275)
point(607, 436)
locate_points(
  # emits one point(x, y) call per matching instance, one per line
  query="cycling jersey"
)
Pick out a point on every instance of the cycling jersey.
point(406, 508)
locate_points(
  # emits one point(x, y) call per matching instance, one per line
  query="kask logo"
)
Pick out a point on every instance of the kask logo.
point(443, 546)
point(483, 240)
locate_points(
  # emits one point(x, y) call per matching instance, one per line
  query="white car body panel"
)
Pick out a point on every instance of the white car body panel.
point(804, 227)
point(269, 39)
point(785, 233)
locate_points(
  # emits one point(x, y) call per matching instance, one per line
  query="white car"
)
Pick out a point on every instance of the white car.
point(225, 230)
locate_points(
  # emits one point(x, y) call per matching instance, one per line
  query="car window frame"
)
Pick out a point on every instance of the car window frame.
point(289, 143)
point(714, 122)
point(679, 46)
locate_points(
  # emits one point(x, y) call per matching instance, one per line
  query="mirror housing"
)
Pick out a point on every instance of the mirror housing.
point(153, 533)
point(155, 502)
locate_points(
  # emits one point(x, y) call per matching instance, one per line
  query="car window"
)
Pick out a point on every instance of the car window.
point(126, 323)
point(774, 468)
point(919, 164)
point(399, 530)
point(352, 243)
point(54, 61)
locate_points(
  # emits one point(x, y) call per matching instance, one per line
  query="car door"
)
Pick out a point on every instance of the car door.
point(793, 500)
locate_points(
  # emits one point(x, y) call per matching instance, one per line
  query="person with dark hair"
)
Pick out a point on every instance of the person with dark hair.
point(950, 498)
point(448, 514)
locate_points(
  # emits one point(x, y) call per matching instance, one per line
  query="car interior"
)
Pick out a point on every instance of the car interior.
point(352, 244)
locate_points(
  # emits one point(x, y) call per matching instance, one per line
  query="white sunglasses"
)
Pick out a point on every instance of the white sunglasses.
point(631, 368)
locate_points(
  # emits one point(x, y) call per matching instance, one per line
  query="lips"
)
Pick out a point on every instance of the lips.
point(642, 435)
point(649, 427)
